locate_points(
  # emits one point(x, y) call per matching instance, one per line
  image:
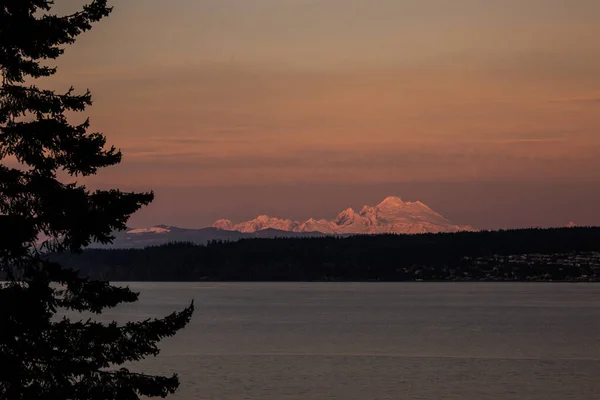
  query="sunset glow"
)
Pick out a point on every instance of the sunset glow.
point(209, 99)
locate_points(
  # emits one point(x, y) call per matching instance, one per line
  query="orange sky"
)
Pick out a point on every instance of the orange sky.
point(221, 94)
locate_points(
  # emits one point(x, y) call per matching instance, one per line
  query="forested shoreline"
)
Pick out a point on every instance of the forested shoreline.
point(564, 254)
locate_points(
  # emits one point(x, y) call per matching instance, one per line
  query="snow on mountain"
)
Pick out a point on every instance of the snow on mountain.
point(313, 225)
point(392, 215)
point(263, 222)
point(154, 229)
point(223, 224)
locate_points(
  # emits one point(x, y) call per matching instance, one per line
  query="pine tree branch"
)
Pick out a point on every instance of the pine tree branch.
point(17, 101)
point(41, 358)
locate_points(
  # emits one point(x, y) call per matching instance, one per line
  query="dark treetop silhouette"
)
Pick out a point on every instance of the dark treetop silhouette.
point(43, 356)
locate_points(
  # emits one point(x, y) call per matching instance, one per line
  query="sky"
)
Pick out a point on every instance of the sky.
point(486, 110)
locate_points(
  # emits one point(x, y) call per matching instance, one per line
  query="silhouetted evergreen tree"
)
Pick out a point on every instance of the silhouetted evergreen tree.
point(43, 356)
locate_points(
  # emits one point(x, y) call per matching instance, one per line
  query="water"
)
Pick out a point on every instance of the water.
point(278, 341)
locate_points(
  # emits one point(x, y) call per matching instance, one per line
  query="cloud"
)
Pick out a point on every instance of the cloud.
point(409, 158)
point(296, 158)
point(538, 140)
point(590, 100)
point(213, 135)
point(229, 131)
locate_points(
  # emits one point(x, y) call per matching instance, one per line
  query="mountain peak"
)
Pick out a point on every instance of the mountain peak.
point(348, 211)
point(391, 201)
point(223, 224)
point(346, 217)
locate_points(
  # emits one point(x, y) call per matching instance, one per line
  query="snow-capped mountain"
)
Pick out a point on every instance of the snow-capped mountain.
point(392, 215)
point(259, 223)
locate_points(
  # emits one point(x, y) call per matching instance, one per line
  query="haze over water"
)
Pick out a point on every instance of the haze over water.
point(357, 341)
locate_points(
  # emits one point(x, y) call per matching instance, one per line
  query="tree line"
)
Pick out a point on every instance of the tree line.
point(429, 257)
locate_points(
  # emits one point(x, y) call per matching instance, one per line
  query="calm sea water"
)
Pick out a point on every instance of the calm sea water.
point(356, 341)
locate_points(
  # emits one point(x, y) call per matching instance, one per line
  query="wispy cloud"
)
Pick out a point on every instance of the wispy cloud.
point(539, 140)
point(591, 100)
point(231, 130)
point(432, 158)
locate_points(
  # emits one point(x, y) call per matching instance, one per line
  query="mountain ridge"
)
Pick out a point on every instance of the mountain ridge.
point(392, 215)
